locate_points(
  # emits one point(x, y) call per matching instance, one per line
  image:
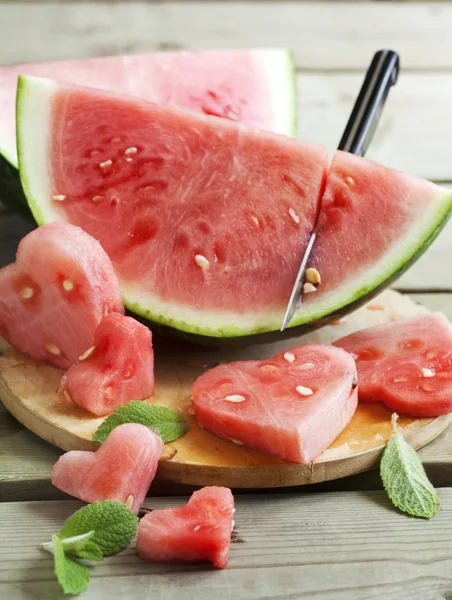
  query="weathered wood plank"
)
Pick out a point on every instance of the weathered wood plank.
point(346, 546)
point(324, 35)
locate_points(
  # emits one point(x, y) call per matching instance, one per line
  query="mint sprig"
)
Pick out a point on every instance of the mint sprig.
point(72, 576)
point(405, 479)
point(94, 531)
point(170, 424)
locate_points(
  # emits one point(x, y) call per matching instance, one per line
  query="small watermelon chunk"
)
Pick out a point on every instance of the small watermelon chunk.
point(200, 531)
point(292, 406)
point(121, 469)
point(56, 293)
point(119, 367)
point(406, 365)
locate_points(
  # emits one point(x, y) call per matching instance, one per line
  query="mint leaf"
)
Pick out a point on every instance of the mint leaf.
point(170, 424)
point(72, 576)
point(114, 526)
point(404, 478)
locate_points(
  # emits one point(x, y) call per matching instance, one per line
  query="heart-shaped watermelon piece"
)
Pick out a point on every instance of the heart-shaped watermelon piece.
point(119, 367)
point(405, 365)
point(292, 405)
point(56, 293)
point(200, 531)
point(121, 469)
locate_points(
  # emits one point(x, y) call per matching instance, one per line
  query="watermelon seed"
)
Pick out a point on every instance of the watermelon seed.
point(59, 197)
point(105, 311)
point(87, 353)
point(105, 164)
point(445, 375)
point(116, 140)
point(52, 349)
point(238, 442)
point(109, 392)
point(430, 355)
point(128, 160)
point(268, 368)
point(308, 288)
point(427, 388)
point(26, 293)
point(400, 380)
point(197, 528)
point(129, 502)
point(235, 398)
point(313, 276)
point(202, 261)
point(98, 199)
point(289, 357)
point(255, 220)
point(349, 180)
point(94, 152)
point(305, 366)
point(68, 285)
point(428, 372)
point(130, 151)
point(304, 391)
point(295, 218)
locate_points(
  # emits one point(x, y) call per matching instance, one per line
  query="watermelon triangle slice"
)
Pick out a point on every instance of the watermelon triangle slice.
point(256, 87)
point(206, 221)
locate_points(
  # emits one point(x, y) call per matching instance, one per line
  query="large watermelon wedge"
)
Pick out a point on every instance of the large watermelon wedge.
point(256, 87)
point(205, 220)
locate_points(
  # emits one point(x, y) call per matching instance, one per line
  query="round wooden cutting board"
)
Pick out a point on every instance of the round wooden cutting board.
point(28, 389)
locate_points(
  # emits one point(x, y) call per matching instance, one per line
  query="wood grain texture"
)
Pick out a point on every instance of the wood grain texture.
point(323, 35)
point(336, 546)
point(29, 391)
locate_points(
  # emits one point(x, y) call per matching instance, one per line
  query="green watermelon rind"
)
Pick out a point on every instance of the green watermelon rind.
point(214, 324)
point(280, 62)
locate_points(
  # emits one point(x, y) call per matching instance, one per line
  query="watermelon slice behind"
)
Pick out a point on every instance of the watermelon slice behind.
point(206, 221)
point(119, 367)
point(200, 531)
point(405, 365)
point(292, 406)
point(256, 87)
point(56, 293)
point(121, 469)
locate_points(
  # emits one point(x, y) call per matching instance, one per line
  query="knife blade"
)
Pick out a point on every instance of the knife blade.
point(380, 77)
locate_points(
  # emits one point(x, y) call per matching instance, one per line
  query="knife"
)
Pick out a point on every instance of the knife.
point(381, 75)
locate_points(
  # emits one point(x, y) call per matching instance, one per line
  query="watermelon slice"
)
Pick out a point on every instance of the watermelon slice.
point(56, 293)
point(121, 469)
point(119, 367)
point(293, 405)
point(256, 87)
point(406, 365)
point(200, 531)
point(184, 197)
point(206, 221)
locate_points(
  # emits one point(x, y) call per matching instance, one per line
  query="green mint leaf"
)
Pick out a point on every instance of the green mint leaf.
point(170, 424)
point(80, 546)
point(114, 526)
point(72, 576)
point(404, 478)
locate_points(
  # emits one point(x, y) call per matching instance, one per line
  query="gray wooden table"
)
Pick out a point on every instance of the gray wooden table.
point(342, 539)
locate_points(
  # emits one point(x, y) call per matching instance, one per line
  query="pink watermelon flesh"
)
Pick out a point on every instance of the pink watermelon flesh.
point(121, 469)
point(405, 365)
point(56, 293)
point(234, 84)
point(200, 531)
point(119, 367)
point(293, 405)
point(368, 215)
point(186, 187)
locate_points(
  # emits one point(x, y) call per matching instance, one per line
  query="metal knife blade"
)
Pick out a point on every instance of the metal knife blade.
point(381, 75)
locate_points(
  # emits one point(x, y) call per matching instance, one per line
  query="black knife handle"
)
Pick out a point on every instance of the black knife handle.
point(381, 75)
